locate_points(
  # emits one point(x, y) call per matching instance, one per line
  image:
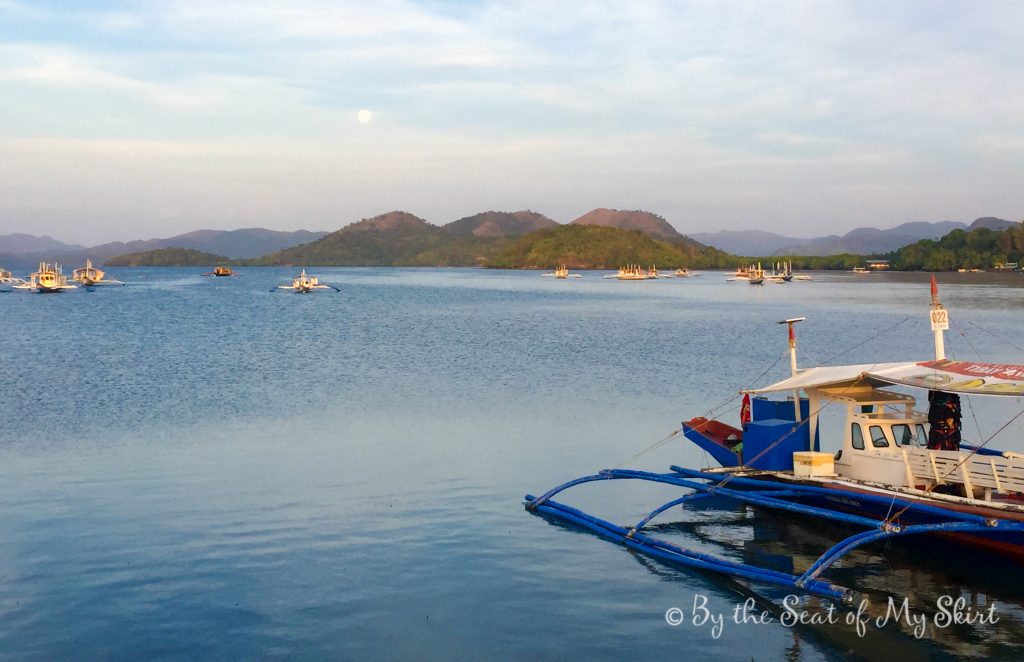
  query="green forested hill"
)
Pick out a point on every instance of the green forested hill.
point(599, 247)
point(168, 257)
point(981, 248)
point(395, 239)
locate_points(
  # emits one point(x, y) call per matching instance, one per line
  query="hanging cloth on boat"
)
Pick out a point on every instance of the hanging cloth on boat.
point(745, 411)
point(944, 421)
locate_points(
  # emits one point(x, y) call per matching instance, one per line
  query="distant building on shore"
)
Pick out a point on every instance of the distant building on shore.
point(878, 265)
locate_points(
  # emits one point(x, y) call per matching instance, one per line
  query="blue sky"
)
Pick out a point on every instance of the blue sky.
point(128, 120)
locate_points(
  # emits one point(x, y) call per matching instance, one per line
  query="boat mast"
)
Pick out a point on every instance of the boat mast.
point(940, 322)
point(791, 322)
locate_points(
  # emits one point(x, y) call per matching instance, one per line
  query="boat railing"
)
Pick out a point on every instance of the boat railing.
point(1002, 474)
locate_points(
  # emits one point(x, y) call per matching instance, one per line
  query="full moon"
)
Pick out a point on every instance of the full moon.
point(364, 116)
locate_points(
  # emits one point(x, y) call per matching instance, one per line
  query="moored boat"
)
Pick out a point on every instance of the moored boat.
point(561, 272)
point(890, 470)
point(7, 277)
point(635, 272)
point(90, 276)
point(220, 272)
point(756, 275)
point(304, 284)
point(47, 279)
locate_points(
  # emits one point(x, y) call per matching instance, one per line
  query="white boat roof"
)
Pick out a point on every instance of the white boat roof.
point(948, 376)
point(827, 376)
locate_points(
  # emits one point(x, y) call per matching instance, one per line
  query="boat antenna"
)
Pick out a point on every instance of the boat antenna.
point(792, 342)
point(792, 322)
point(940, 322)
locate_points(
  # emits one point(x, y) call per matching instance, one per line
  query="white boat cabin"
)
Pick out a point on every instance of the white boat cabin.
point(885, 439)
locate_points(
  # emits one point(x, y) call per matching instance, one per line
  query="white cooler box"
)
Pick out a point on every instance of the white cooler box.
point(813, 463)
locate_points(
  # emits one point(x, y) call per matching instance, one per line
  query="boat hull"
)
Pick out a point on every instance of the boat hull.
point(846, 499)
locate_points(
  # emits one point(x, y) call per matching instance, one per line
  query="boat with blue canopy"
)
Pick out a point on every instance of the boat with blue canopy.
point(893, 470)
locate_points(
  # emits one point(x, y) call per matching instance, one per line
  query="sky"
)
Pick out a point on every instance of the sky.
point(126, 120)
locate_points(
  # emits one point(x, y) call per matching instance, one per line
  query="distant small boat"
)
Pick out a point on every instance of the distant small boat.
point(860, 271)
point(90, 276)
point(756, 275)
point(686, 273)
point(802, 277)
point(782, 272)
point(635, 272)
point(49, 279)
point(561, 272)
point(304, 284)
point(220, 272)
point(7, 277)
point(741, 274)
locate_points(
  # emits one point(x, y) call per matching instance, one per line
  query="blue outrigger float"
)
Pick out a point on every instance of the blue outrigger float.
point(897, 472)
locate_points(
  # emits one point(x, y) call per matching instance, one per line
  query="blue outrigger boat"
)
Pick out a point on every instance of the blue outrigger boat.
point(896, 471)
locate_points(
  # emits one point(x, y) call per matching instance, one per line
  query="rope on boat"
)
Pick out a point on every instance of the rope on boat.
point(797, 425)
point(866, 341)
point(959, 464)
point(972, 453)
point(657, 444)
point(714, 412)
point(998, 337)
point(967, 396)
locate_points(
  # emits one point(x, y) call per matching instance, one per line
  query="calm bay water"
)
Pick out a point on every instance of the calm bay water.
point(195, 467)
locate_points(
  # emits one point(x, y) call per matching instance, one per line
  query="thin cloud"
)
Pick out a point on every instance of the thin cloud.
point(705, 109)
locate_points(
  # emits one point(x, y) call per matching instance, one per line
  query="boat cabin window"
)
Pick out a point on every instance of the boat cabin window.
point(857, 436)
point(905, 436)
point(902, 435)
point(878, 438)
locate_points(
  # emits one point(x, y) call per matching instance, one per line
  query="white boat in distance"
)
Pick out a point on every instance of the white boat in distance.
point(90, 276)
point(8, 277)
point(304, 284)
point(561, 272)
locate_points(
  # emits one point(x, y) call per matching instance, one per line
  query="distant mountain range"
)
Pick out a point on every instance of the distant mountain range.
point(249, 242)
point(399, 238)
point(27, 244)
point(862, 241)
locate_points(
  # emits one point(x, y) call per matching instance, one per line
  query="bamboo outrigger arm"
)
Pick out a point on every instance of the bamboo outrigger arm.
point(767, 494)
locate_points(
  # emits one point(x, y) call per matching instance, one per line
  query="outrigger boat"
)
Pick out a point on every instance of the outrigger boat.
point(90, 276)
point(220, 272)
point(48, 279)
point(781, 272)
point(756, 275)
point(561, 272)
point(897, 472)
point(741, 273)
point(635, 272)
point(753, 274)
point(304, 284)
point(7, 277)
point(686, 273)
